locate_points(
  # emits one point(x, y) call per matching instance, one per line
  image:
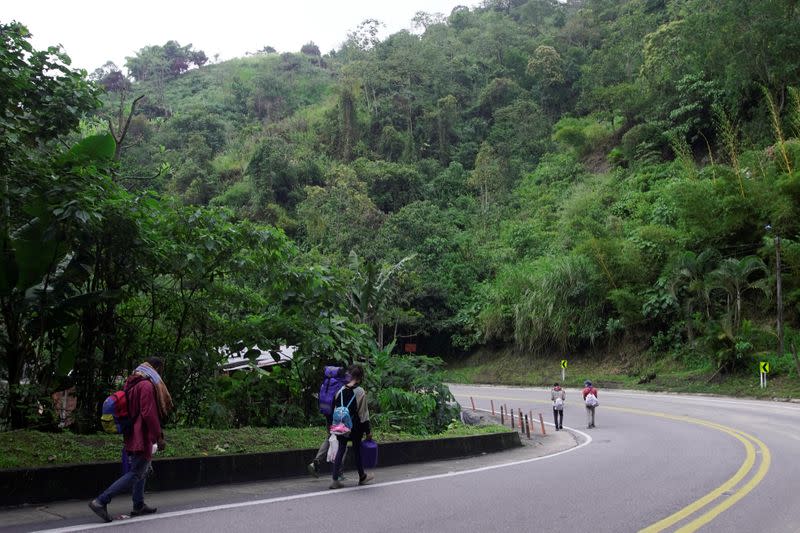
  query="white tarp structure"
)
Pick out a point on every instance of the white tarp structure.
point(239, 360)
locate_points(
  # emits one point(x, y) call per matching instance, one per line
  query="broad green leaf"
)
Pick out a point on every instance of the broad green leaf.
point(35, 254)
point(69, 351)
point(95, 148)
point(9, 272)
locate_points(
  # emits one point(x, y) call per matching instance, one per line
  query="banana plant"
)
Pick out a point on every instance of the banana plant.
point(371, 289)
point(41, 273)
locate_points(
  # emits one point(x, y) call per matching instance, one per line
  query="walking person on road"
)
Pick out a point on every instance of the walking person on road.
point(148, 403)
point(355, 399)
point(590, 399)
point(558, 396)
point(335, 378)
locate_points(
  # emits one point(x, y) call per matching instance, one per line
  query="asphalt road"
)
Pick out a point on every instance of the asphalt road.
point(669, 463)
point(653, 463)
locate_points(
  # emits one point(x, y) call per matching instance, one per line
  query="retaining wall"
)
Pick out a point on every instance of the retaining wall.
point(52, 483)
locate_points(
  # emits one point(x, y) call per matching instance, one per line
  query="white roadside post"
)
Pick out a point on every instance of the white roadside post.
point(563, 370)
point(763, 368)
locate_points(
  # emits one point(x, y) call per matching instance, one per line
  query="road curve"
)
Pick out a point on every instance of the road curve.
point(665, 462)
point(655, 463)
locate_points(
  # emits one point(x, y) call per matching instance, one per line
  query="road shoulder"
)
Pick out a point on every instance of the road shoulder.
point(76, 512)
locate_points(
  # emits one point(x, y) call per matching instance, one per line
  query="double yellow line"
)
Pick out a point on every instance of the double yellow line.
point(698, 505)
point(748, 441)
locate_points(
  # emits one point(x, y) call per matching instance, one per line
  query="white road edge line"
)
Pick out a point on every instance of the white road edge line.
point(223, 507)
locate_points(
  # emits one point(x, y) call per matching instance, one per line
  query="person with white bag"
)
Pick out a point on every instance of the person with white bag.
point(558, 396)
point(590, 399)
point(334, 379)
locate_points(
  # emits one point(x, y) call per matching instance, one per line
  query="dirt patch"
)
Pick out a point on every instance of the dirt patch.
point(597, 162)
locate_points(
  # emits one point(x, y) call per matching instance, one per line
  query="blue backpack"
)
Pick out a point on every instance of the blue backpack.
point(342, 421)
point(335, 379)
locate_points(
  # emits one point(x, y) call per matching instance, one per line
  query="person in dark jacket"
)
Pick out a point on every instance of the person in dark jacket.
point(148, 400)
point(353, 396)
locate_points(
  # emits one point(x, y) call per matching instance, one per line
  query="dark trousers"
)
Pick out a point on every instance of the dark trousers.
point(558, 417)
point(355, 438)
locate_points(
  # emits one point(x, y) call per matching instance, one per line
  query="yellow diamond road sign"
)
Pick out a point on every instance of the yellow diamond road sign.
point(764, 366)
point(563, 363)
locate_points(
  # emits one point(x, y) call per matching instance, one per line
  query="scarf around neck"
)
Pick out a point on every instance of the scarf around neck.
point(163, 397)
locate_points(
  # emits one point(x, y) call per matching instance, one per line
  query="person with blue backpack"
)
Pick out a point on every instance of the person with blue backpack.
point(350, 423)
point(335, 378)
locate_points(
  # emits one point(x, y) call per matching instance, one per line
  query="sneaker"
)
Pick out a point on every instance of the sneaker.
point(100, 510)
point(341, 477)
point(312, 469)
point(367, 479)
point(336, 484)
point(143, 510)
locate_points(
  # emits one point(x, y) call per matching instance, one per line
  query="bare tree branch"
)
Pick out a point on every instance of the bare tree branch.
point(121, 136)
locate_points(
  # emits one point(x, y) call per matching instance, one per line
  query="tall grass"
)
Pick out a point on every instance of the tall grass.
point(562, 305)
point(777, 129)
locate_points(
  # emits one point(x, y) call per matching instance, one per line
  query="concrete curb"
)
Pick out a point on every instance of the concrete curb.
point(46, 484)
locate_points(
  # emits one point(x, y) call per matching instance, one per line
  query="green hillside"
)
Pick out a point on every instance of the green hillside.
point(566, 176)
point(605, 178)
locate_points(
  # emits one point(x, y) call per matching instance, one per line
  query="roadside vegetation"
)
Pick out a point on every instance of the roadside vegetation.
point(659, 375)
point(25, 449)
point(614, 177)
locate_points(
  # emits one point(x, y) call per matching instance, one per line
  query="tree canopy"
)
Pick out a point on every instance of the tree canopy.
point(532, 174)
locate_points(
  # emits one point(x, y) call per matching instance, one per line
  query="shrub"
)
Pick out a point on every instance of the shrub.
point(584, 135)
point(642, 143)
point(410, 394)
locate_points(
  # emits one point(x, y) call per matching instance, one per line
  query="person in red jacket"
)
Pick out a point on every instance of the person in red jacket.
point(590, 402)
point(148, 400)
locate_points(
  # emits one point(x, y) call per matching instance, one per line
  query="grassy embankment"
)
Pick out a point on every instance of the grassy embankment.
point(504, 368)
point(28, 448)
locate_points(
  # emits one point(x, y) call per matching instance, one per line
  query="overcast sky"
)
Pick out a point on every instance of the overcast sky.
point(93, 32)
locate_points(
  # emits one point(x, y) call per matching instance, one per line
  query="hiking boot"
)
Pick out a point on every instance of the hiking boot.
point(143, 510)
point(313, 469)
point(336, 484)
point(367, 479)
point(100, 510)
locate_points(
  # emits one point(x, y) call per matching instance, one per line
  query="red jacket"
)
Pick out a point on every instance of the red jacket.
point(143, 407)
point(588, 390)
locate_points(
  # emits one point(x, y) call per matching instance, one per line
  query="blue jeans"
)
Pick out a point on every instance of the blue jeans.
point(135, 477)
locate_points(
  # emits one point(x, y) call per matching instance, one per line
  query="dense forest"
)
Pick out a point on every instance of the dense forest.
point(603, 177)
